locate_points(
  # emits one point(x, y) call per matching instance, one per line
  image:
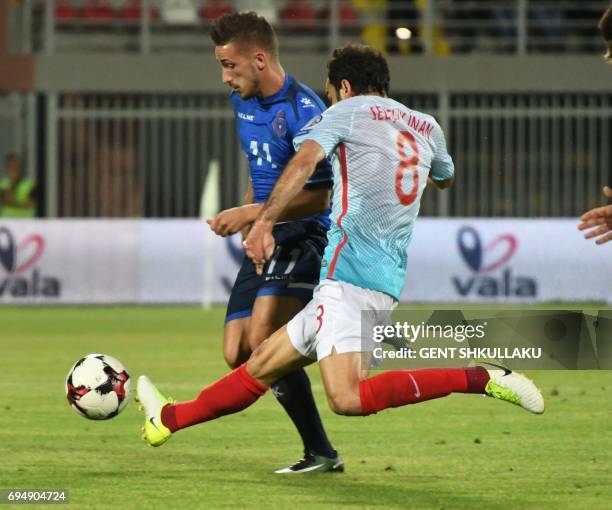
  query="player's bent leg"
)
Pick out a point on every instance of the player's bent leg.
point(293, 391)
point(397, 388)
point(239, 309)
point(270, 313)
point(274, 358)
point(230, 394)
point(350, 394)
point(236, 348)
point(342, 375)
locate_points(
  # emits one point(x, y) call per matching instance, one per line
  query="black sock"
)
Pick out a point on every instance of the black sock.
point(295, 395)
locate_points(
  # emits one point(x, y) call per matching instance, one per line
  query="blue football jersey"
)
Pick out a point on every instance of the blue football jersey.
point(266, 128)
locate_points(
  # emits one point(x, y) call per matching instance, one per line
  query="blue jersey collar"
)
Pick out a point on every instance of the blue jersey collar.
point(278, 95)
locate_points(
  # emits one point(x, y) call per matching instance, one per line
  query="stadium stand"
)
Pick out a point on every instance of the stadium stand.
point(457, 26)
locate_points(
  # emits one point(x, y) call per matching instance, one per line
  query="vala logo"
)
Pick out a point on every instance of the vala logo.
point(16, 260)
point(307, 102)
point(485, 262)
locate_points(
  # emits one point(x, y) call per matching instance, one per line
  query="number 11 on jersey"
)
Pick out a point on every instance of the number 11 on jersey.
point(255, 151)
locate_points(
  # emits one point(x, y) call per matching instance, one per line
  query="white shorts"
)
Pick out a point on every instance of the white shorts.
point(336, 317)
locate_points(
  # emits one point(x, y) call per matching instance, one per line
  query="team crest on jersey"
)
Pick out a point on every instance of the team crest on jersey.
point(279, 124)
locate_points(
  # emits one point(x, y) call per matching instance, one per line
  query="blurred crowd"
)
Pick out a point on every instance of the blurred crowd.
point(458, 26)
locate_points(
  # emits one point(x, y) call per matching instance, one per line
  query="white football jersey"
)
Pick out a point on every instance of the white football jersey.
point(382, 153)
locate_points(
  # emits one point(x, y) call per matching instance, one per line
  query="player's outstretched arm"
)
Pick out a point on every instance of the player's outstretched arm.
point(236, 219)
point(292, 181)
point(598, 221)
point(259, 244)
point(233, 220)
point(239, 219)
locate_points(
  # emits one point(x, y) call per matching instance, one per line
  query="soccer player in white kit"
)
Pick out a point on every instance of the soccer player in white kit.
point(383, 155)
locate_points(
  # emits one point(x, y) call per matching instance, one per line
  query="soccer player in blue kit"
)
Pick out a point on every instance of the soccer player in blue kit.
point(271, 107)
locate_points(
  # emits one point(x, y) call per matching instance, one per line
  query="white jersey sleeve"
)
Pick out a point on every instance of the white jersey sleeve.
point(329, 129)
point(442, 167)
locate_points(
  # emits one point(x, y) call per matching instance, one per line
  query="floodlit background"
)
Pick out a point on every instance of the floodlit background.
point(117, 117)
point(116, 110)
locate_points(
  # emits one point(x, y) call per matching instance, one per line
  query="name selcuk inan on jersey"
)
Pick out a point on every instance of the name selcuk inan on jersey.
point(420, 126)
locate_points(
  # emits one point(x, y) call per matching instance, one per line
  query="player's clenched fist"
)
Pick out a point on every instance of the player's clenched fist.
point(259, 244)
point(599, 221)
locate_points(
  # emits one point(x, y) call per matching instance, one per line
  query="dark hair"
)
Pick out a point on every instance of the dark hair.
point(11, 156)
point(605, 25)
point(365, 68)
point(244, 28)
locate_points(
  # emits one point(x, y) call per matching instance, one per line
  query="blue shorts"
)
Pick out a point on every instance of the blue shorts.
point(292, 271)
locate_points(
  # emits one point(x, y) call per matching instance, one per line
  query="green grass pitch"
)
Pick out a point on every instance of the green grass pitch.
point(461, 452)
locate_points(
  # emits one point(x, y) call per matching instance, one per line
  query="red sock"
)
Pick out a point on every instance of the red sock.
point(400, 387)
point(230, 394)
